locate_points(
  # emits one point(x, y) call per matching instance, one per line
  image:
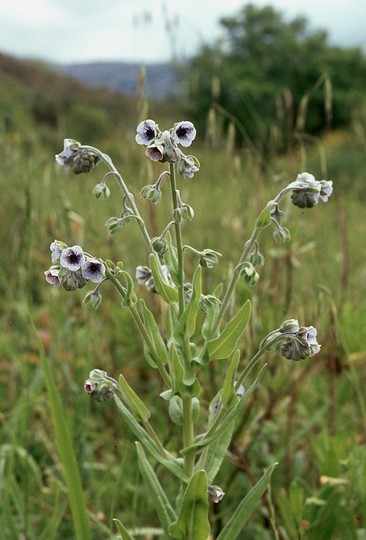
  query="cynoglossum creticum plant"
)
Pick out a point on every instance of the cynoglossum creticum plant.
point(184, 347)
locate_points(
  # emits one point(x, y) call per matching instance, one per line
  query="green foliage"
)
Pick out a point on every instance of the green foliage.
point(310, 419)
point(267, 74)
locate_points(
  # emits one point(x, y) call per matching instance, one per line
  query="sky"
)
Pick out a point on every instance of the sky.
point(72, 31)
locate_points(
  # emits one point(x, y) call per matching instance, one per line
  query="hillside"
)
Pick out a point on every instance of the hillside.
point(160, 79)
point(33, 93)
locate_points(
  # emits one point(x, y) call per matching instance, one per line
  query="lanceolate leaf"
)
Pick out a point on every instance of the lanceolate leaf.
point(153, 330)
point(223, 346)
point(166, 291)
point(211, 315)
point(157, 494)
point(148, 443)
point(192, 523)
point(125, 535)
point(216, 452)
point(228, 395)
point(243, 512)
point(230, 417)
point(137, 406)
point(67, 455)
point(188, 319)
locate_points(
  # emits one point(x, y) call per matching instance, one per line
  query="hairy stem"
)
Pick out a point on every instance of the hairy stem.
point(131, 201)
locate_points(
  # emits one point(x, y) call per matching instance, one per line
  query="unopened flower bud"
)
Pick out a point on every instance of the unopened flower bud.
point(249, 274)
point(101, 191)
point(152, 193)
point(281, 234)
point(114, 224)
point(100, 386)
point(289, 326)
point(208, 258)
point(215, 493)
point(73, 280)
point(188, 165)
point(184, 212)
point(85, 161)
point(159, 245)
point(208, 302)
point(256, 258)
point(93, 299)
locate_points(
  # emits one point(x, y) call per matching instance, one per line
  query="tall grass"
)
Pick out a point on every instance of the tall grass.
point(311, 418)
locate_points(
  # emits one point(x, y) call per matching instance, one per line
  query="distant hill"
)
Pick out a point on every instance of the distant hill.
point(161, 80)
point(34, 94)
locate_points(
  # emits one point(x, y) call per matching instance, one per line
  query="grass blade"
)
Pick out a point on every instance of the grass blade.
point(246, 507)
point(66, 453)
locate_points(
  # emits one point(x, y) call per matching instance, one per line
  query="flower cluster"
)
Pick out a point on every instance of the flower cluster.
point(301, 344)
point(72, 267)
point(163, 145)
point(296, 342)
point(77, 158)
point(308, 191)
point(100, 386)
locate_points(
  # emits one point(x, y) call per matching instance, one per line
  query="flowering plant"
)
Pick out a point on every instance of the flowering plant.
point(184, 346)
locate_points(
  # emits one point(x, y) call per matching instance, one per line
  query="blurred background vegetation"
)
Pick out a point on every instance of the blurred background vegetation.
point(277, 101)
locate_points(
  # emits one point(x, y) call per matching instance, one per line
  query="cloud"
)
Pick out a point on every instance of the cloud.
point(141, 30)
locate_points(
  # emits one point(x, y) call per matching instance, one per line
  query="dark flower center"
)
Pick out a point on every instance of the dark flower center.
point(73, 258)
point(182, 132)
point(150, 133)
point(93, 267)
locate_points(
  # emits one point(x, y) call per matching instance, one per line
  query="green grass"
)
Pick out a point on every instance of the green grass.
point(308, 416)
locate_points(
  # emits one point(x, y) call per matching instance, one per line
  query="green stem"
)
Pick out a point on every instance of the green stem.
point(178, 237)
point(131, 201)
point(140, 325)
point(188, 435)
point(225, 302)
point(154, 436)
point(188, 426)
point(248, 368)
point(145, 336)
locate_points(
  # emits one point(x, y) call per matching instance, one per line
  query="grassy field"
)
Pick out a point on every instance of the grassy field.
point(309, 416)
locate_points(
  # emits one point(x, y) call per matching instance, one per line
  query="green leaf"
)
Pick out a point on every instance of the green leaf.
point(160, 353)
point(187, 322)
point(204, 440)
point(223, 346)
point(166, 291)
point(181, 385)
point(264, 218)
point(192, 523)
point(216, 452)
point(177, 370)
point(162, 506)
point(138, 408)
point(245, 509)
point(125, 535)
point(211, 316)
point(171, 259)
point(172, 464)
point(176, 410)
point(130, 297)
point(228, 396)
point(72, 476)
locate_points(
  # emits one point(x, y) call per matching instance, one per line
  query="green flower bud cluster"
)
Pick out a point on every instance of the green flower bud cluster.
point(77, 158)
